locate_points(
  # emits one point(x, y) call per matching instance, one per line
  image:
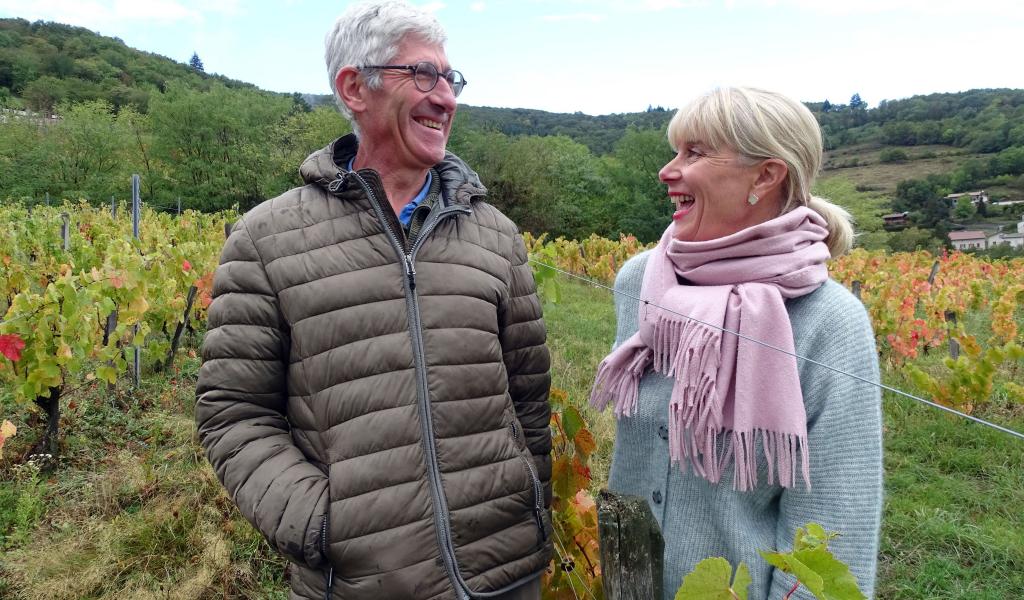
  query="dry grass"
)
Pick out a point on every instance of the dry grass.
point(872, 175)
point(136, 512)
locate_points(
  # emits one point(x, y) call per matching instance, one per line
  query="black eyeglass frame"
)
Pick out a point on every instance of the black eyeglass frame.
point(448, 75)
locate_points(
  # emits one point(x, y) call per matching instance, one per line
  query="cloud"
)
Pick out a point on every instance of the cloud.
point(105, 14)
point(478, 6)
point(432, 7)
point(632, 6)
point(924, 8)
point(590, 17)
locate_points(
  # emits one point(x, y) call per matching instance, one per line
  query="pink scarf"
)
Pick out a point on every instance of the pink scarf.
point(726, 387)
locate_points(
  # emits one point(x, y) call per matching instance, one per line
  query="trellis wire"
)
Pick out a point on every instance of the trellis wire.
point(786, 352)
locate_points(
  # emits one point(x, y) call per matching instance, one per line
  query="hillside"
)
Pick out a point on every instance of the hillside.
point(214, 143)
point(43, 64)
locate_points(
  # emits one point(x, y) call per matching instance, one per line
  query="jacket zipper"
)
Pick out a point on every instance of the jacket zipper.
point(538, 490)
point(408, 259)
point(329, 577)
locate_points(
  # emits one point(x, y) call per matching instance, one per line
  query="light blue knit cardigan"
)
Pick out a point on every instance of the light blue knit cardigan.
point(699, 519)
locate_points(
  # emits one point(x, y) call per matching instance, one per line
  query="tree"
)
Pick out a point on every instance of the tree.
point(964, 208)
point(195, 63)
point(856, 103)
point(892, 155)
point(826, 106)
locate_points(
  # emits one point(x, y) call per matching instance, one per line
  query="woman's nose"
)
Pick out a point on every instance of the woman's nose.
point(670, 172)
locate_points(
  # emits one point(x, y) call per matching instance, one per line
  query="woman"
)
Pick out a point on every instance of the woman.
point(734, 444)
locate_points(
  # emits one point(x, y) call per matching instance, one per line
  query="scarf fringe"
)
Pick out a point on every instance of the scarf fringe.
point(782, 452)
point(619, 380)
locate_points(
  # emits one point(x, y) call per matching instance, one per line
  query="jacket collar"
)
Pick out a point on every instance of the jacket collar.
point(459, 183)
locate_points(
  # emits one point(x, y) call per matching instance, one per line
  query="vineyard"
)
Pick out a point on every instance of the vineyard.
point(79, 288)
point(81, 297)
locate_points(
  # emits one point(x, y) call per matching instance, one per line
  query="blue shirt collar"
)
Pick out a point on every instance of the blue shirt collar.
point(405, 216)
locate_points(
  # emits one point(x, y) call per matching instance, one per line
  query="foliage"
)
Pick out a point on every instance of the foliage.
point(134, 510)
point(810, 562)
point(815, 567)
point(50, 63)
point(56, 301)
point(713, 579)
point(577, 568)
point(892, 155)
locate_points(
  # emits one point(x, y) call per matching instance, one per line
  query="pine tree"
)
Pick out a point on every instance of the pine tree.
point(195, 63)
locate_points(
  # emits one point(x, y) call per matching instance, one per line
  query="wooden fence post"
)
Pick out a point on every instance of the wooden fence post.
point(632, 548)
point(954, 346)
point(136, 216)
point(65, 230)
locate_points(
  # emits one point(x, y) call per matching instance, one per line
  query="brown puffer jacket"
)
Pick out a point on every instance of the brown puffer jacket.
point(378, 409)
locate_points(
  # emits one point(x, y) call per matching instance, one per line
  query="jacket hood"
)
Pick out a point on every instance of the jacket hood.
point(459, 183)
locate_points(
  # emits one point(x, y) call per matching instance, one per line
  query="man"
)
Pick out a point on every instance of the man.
point(374, 387)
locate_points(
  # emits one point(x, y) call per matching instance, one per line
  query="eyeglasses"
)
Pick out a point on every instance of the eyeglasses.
point(425, 76)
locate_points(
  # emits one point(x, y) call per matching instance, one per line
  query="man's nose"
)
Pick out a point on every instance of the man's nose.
point(443, 95)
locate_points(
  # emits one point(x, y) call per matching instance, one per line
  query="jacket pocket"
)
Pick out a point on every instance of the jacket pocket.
point(538, 490)
point(329, 568)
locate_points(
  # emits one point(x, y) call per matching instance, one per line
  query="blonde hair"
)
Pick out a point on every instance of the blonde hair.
point(757, 125)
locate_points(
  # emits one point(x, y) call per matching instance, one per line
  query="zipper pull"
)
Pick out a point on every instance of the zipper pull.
point(337, 183)
point(410, 271)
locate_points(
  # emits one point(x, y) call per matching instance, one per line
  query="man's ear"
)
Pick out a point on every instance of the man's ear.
point(771, 177)
point(351, 89)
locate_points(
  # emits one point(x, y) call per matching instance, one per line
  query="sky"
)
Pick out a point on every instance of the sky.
point(601, 56)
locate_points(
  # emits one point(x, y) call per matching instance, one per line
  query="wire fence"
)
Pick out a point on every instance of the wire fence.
point(836, 370)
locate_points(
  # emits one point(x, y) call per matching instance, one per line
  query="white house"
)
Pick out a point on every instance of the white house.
point(969, 240)
point(1013, 240)
point(975, 197)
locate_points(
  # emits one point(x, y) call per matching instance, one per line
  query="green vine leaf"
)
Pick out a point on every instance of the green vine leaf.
point(712, 579)
point(815, 567)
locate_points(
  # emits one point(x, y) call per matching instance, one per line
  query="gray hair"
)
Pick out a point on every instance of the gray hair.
point(757, 125)
point(369, 33)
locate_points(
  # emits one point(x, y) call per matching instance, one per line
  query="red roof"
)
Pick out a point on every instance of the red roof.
point(959, 236)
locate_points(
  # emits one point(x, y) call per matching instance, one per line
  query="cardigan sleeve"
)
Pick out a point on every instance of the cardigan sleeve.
point(844, 437)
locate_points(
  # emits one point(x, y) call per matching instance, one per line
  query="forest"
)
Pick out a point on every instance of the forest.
point(82, 112)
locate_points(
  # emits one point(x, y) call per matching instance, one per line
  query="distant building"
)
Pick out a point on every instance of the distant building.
point(969, 240)
point(895, 219)
point(1013, 240)
point(976, 197)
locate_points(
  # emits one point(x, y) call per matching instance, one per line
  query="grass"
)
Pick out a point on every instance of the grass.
point(132, 510)
point(581, 330)
point(860, 164)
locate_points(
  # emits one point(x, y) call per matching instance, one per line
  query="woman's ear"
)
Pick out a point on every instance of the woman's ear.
point(771, 177)
point(351, 89)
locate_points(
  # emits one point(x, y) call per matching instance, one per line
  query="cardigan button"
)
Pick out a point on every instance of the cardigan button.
point(663, 432)
point(656, 496)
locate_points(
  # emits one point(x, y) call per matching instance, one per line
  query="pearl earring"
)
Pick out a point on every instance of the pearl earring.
point(752, 199)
